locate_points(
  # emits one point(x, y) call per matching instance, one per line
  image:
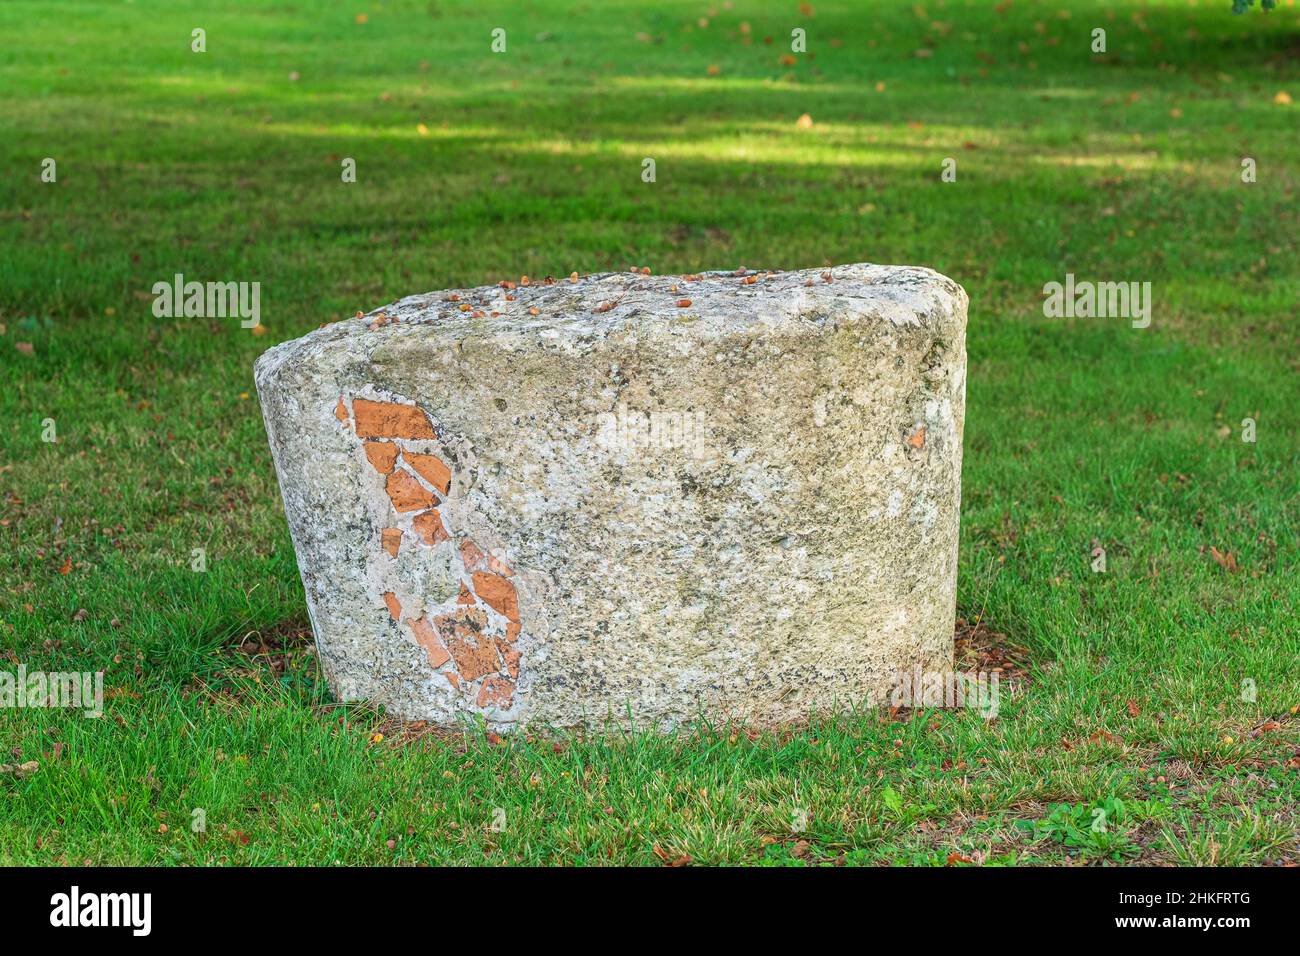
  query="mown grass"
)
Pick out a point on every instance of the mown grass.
point(475, 166)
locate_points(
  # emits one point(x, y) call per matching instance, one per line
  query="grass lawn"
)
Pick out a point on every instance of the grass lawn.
point(473, 167)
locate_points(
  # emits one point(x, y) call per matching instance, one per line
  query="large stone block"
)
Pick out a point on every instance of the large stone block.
point(732, 494)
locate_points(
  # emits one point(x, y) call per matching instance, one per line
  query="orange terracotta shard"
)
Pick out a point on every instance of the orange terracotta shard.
point(382, 455)
point(511, 656)
point(432, 470)
point(391, 538)
point(465, 597)
point(390, 420)
point(341, 411)
point(407, 493)
point(498, 593)
point(472, 556)
point(496, 691)
point(498, 566)
point(428, 638)
point(394, 605)
point(430, 528)
point(473, 650)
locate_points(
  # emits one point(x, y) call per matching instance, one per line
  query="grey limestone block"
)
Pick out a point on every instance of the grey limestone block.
point(731, 494)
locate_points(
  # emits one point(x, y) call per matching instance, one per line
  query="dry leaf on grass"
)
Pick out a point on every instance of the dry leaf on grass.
point(1224, 559)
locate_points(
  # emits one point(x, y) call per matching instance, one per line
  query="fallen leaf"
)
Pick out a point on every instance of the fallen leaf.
point(804, 122)
point(24, 347)
point(1133, 709)
point(1105, 735)
point(1225, 560)
point(682, 860)
point(1283, 98)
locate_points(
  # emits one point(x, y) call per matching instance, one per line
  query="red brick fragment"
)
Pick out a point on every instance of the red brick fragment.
point(512, 631)
point(394, 605)
point(472, 556)
point(407, 493)
point(428, 638)
point(496, 691)
point(511, 657)
point(341, 411)
point(452, 679)
point(430, 528)
point(465, 597)
point(498, 593)
point(382, 455)
point(463, 631)
point(431, 469)
point(391, 538)
point(390, 420)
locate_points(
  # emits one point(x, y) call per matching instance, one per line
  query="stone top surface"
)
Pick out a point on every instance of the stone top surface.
point(707, 303)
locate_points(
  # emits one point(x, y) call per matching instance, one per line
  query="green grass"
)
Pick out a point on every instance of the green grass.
point(1123, 166)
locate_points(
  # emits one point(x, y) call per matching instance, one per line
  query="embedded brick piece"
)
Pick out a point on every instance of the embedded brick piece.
point(465, 633)
point(431, 470)
point(382, 455)
point(472, 556)
point(496, 691)
point(589, 499)
point(428, 525)
point(390, 420)
point(427, 638)
point(497, 593)
point(407, 493)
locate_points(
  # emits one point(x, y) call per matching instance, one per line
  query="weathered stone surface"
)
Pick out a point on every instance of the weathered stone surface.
point(734, 494)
